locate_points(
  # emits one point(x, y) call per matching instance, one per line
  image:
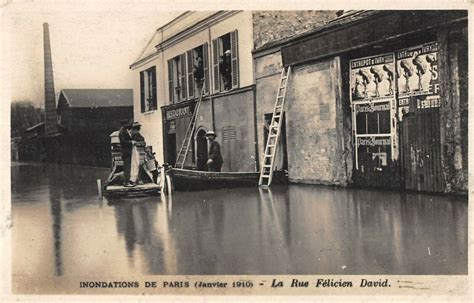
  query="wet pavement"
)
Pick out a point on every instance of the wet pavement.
point(62, 228)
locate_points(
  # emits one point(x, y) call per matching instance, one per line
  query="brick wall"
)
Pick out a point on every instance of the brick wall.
point(270, 26)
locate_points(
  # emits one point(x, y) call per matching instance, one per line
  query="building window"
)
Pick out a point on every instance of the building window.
point(225, 62)
point(198, 71)
point(177, 79)
point(148, 89)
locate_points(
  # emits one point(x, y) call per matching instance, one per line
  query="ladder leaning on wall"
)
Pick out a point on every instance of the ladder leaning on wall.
point(183, 151)
point(266, 172)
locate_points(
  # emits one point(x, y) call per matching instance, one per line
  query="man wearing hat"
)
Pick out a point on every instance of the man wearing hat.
point(198, 71)
point(136, 136)
point(126, 144)
point(136, 163)
point(225, 69)
point(214, 161)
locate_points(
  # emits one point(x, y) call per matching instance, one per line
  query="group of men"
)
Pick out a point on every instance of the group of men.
point(225, 70)
point(130, 137)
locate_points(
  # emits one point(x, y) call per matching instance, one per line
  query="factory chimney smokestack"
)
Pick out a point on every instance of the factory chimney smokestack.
point(49, 95)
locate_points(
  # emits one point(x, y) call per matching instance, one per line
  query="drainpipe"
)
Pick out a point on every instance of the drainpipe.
point(211, 77)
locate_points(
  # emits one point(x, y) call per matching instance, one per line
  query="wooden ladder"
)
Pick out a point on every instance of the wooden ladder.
point(266, 173)
point(183, 151)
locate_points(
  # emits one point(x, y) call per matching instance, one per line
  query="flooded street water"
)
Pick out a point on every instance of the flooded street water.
point(62, 228)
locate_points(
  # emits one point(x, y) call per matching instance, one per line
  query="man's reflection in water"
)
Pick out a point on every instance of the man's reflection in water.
point(144, 224)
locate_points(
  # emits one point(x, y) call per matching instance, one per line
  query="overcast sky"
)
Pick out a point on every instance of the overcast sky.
point(93, 43)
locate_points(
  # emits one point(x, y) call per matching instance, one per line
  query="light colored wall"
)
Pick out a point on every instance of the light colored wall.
point(152, 128)
point(236, 111)
point(243, 23)
point(183, 21)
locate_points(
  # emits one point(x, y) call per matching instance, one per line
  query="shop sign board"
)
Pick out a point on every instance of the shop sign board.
point(417, 78)
point(372, 78)
point(373, 87)
point(180, 112)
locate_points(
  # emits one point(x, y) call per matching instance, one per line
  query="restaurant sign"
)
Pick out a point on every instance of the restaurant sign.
point(180, 112)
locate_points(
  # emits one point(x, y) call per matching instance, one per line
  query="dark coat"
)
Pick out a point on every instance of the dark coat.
point(139, 138)
point(215, 153)
point(125, 143)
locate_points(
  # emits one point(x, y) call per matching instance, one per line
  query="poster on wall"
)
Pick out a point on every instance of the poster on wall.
point(417, 78)
point(373, 118)
point(372, 78)
point(373, 88)
point(373, 153)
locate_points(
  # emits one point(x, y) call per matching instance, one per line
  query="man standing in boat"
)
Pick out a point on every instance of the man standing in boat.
point(214, 161)
point(126, 144)
point(136, 167)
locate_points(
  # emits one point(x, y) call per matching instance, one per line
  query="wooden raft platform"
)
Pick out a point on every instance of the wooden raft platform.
point(139, 189)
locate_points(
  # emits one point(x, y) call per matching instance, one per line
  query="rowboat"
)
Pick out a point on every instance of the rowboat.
point(187, 179)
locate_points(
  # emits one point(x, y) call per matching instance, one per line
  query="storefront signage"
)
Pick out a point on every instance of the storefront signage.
point(176, 113)
point(417, 69)
point(372, 107)
point(373, 89)
point(373, 141)
point(428, 102)
point(372, 78)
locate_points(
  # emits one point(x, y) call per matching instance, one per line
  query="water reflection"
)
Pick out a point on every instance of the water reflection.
point(144, 224)
point(56, 207)
point(285, 230)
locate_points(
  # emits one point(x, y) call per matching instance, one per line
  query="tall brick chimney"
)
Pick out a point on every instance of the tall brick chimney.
point(49, 95)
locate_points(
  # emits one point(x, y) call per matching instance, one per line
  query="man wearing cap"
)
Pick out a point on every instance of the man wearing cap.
point(126, 144)
point(214, 161)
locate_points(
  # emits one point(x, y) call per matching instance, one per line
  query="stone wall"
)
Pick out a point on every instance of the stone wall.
point(270, 26)
point(453, 60)
point(314, 125)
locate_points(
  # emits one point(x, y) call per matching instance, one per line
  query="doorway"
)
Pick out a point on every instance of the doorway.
point(171, 149)
point(420, 147)
point(201, 150)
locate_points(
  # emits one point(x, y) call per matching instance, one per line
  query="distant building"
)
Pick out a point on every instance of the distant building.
point(167, 74)
point(31, 146)
point(86, 117)
point(375, 99)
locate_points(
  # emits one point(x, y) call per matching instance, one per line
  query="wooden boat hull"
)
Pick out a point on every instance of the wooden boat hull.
point(186, 180)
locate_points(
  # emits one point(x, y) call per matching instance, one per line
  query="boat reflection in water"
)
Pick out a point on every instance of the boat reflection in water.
point(62, 228)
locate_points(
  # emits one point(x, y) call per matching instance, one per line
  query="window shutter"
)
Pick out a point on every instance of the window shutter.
point(154, 103)
point(190, 74)
point(170, 81)
point(142, 92)
point(215, 65)
point(205, 63)
point(234, 48)
point(182, 60)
